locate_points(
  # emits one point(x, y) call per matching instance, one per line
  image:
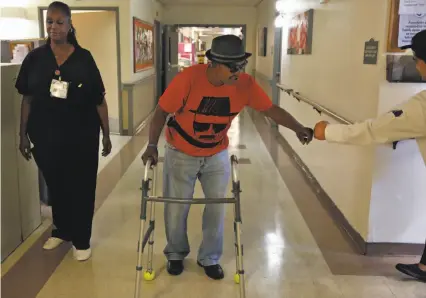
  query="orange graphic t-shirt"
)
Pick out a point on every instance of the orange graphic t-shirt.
point(203, 113)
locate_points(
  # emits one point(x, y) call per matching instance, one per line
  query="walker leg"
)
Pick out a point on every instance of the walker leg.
point(239, 251)
point(145, 187)
point(239, 248)
point(149, 274)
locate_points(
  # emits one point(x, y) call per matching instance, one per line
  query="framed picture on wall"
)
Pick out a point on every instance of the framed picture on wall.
point(300, 34)
point(20, 49)
point(143, 45)
point(262, 41)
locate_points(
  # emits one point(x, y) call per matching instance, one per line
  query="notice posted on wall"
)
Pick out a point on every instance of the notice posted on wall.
point(412, 7)
point(410, 25)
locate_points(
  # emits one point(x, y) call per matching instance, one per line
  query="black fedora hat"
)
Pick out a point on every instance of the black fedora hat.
point(227, 49)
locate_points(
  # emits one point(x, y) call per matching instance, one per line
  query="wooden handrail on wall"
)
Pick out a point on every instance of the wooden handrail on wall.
point(319, 108)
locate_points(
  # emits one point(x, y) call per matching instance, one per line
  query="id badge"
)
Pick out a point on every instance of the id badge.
point(59, 89)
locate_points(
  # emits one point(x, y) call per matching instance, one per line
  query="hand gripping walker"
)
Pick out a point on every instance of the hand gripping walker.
point(148, 237)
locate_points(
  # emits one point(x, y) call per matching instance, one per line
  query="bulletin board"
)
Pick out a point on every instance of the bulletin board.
point(404, 21)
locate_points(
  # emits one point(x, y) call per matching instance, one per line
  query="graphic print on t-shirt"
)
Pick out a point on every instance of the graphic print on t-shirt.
point(211, 118)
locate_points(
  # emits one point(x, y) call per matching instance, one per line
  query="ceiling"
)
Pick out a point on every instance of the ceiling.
point(211, 2)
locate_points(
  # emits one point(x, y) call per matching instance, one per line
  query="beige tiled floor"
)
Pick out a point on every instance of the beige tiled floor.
point(281, 256)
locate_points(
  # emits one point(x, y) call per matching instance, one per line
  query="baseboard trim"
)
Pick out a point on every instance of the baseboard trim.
point(348, 231)
point(394, 249)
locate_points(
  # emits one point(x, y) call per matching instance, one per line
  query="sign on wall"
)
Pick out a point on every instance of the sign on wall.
point(371, 50)
point(410, 25)
point(412, 7)
point(407, 17)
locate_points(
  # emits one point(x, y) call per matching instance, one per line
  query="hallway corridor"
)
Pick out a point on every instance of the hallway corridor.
point(291, 247)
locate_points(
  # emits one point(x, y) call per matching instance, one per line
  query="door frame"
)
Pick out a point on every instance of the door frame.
point(243, 26)
point(243, 31)
point(158, 59)
point(276, 70)
point(115, 9)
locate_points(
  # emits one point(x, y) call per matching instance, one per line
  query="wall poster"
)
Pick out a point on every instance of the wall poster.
point(143, 45)
point(300, 34)
point(407, 17)
point(410, 25)
point(412, 6)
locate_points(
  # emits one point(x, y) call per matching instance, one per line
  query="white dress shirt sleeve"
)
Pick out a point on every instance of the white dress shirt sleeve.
point(404, 122)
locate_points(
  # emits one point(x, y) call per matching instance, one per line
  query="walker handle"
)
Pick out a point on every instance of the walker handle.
point(234, 163)
point(147, 168)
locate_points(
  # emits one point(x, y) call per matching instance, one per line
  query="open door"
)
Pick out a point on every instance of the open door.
point(170, 51)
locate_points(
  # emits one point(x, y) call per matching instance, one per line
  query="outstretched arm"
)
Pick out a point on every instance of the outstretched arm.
point(284, 118)
point(260, 101)
point(406, 122)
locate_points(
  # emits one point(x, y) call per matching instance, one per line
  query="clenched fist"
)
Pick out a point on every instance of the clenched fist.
point(319, 130)
point(305, 135)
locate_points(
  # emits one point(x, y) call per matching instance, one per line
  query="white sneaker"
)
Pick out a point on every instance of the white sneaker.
point(52, 243)
point(82, 255)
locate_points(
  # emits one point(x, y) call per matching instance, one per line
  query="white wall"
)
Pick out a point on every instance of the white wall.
point(334, 76)
point(380, 191)
point(344, 172)
point(229, 15)
point(399, 188)
point(101, 41)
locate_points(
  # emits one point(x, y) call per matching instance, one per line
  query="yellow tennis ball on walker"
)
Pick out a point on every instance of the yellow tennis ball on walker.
point(148, 276)
point(237, 278)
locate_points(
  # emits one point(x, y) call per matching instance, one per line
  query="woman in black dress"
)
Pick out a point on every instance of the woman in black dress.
point(63, 109)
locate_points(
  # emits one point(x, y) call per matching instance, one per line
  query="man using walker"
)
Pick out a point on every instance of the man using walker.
point(202, 101)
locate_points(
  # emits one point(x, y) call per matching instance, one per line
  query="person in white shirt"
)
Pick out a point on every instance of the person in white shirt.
point(407, 121)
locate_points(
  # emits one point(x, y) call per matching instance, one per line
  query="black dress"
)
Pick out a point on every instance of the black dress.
point(65, 135)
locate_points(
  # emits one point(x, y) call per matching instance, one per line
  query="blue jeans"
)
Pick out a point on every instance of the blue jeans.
point(180, 174)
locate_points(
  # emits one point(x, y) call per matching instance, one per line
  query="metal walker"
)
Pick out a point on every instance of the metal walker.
point(148, 237)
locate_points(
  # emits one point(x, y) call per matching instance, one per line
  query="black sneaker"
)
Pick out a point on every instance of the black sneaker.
point(175, 267)
point(412, 270)
point(213, 271)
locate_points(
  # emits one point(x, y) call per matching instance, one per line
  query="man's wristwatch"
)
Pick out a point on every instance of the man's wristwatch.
point(152, 146)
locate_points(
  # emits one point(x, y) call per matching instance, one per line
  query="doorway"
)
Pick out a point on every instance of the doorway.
point(97, 30)
point(186, 44)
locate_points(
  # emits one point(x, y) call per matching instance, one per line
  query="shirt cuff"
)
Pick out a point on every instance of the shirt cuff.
point(334, 132)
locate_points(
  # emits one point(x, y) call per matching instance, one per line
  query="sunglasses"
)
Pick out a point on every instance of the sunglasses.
point(236, 67)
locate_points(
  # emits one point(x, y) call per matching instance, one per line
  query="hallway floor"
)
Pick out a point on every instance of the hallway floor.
point(282, 253)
